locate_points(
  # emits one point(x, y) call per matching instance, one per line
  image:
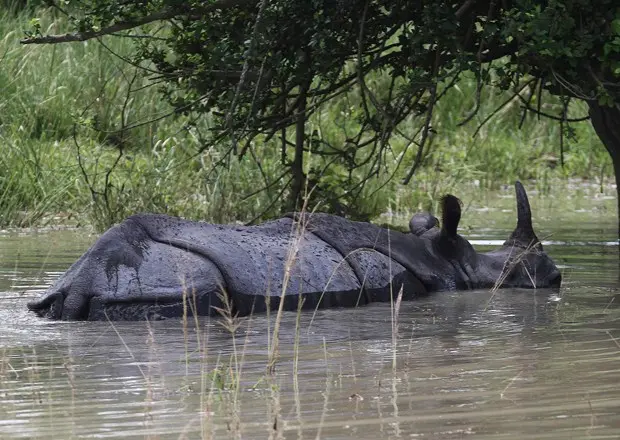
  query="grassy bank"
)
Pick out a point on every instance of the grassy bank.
point(85, 142)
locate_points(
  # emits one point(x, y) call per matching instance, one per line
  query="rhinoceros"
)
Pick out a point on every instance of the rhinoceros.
point(155, 266)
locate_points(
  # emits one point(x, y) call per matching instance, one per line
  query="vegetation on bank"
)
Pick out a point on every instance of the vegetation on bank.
point(83, 140)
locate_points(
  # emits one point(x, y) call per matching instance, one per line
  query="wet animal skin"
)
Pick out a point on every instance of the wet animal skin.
point(156, 266)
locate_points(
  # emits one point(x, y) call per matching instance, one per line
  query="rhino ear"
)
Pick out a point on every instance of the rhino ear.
point(523, 235)
point(422, 222)
point(450, 214)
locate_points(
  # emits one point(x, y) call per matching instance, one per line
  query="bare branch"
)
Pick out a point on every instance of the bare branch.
point(529, 100)
point(427, 124)
point(527, 106)
point(502, 105)
point(474, 112)
point(273, 202)
point(565, 102)
point(246, 65)
point(425, 131)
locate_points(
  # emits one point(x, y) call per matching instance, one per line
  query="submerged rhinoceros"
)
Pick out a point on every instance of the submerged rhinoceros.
point(155, 266)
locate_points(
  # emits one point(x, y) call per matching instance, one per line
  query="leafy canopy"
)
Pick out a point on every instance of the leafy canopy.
point(259, 67)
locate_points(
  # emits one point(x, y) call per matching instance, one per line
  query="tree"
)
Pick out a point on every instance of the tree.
point(262, 66)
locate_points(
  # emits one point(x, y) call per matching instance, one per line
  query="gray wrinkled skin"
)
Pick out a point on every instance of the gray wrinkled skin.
point(156, 266)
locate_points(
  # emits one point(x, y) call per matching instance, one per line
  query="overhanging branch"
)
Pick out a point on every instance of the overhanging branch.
point(166, 14)
point(88, 35)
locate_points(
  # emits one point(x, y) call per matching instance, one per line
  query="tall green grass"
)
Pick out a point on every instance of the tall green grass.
point(63, 102)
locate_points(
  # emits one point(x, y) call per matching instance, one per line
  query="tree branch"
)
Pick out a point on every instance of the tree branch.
point(244, 71)
point(88, 35)
point(130, 24)
point(465, 7)
point(516, 94)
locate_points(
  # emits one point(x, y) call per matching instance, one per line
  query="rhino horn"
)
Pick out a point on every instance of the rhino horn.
point(523, 235)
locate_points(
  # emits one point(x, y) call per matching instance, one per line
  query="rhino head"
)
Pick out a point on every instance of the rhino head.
point(520, 262)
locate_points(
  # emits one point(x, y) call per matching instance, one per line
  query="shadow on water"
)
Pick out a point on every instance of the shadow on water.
point(518, 364)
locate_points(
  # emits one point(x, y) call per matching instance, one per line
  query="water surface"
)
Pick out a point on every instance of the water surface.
point(517, 364)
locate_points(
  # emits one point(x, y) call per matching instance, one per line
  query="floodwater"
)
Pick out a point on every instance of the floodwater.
point(517, 364)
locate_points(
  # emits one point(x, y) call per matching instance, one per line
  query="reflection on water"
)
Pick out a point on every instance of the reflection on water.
point(517, 364)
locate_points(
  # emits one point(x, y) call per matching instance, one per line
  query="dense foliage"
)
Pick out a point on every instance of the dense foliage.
point(259, 67)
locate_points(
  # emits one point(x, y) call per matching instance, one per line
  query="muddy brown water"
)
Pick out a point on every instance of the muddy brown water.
point(518, 364)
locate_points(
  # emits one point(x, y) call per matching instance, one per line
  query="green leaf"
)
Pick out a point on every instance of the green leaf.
point(615, 26)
